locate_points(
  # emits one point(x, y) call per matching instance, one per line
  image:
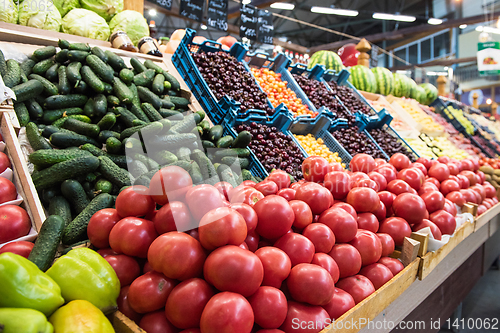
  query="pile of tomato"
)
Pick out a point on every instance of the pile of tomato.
point(274, 256)
point(493, 162)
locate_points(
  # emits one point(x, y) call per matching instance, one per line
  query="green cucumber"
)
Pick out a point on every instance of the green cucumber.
point(100, 105)
point(51, 116)
point(148, 96)
point(100, 53)
point(243, 163)
point(92, 80)
point(113, 145)
point(115, 61)
point(126, 75)
point(3, 64)
point(195, 173)
point(125, 116)
point(137, 168)
point(226, 174)
point(73, 72)
point(137, 65)
point(180, 102)
point(104, 135)
point(122, 91)
point(77, 55)
point(36, 140)
point(207, 168)
point(151, 65)
point(107, 121)
point(205, 125)
point(129, 131)
point(224, 142)
point(186, 124)
point(158, 84)
point(34, 109)
point(80, 127)
point(48, 239)
point(58, 205)
point(22, 113)
point(65, 101)
point(148, 162)
point(100, 68)
point(151, 112)
point(49, 88)
point(167, 85)
point(207, 144)
point(59, 122)
point(63, 44)
point(81, 88)
point(41, 67)
point(26, 66)
point(242, 140)
point(215, 133)
point(239, 152)
point(103, 186)
point(70, 139)
point(166, 103)
point(28, 90)
point(13, 76)
point(63, 86)
point(88, 108)
point(113, 172)
point(136, 100)
point(112, 101)
point(144, 79)
point(47, 157)
point(183, 153)
point(174, 141)
point(44, 53)
point(139, 113)
point(164, 157)
point(73, 190)
point(171, 114)
point(79, 47)
point(174, 84)
point(51, 73)
point(62, 56)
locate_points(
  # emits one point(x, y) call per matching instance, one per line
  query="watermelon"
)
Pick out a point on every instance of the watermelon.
point(329, 59)
point(401, 85)
point(384, 79)
point(412, 87)
point(431, 92)
point(363, 79)
point(419, 94)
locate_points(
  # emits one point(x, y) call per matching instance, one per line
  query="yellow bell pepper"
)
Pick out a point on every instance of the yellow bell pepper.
point(80, 316)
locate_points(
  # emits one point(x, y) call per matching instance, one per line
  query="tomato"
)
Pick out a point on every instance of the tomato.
point(170, 184)
point(412, 177)
point(8, 190)
point(398, 187)
point(420, 167)
point(444, 221)
point(427, 187)
point(377, 273)
point(359, 286)
point(357, 177)
point(124, 306)
point(245, 194)
point(248, 214)
point(298, 248)
point(368, 221)
point(410, 207)
point(269, 306)
point(387, 198)
point(368, 245)
point(433, 181)
point(467, 164)
point(132, 236)
point(433, 201)
point(335, 166)
point(106, 252)
point(267, 187)
point(177, 255)
point(425, 161)
point(14, 222)
point(275, 215)
point(324, 260)
point(223, 188)
point(316, 196)
point(362, 162)
point(272, 330)
point(276, 265)
point(454, 169)
point(222, 226)
point(338, 183)
point(348, 208)
point(302, 214)
point(134, 201)
point(343, 224)
point(281, 178)
point(4, 162)
point(379, 179)
point(22, 248)
point(449, 186)
point(468, 195)
point(252, 240)
point(379, 162)
point(126, 268)
point(481, 209)
point(489, 190)
point(363, 199)
point(394, 265)
point(340, 303)
point(321, 236)
point(482, 177)
point(387, 242)
point(174, 216)
point(156, 322)
point(186, 302)
point(298, 184)
point(305, 318)
point(100, 226)
point(310, 284)
point(147, 268)
point(464, 182)
point(227, 312)
point(400, 161)
point(287, 193)
point(471, 176)
point(439, 171)
point(450, 207)
point(436, 232)
point(149, 292)
point(388, 173)
point(480, 189)
point(314, 169)
point(201, 199)
point(368, 183)
point(347, 258)
point(397, 228)
point(250, 183)
point(380, 213)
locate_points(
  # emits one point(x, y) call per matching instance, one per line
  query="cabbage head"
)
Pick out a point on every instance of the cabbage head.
point(85, 23)
point(132, 22)
point(39, 14)
point(104, 8)
point(9, 12)
point(64, 6)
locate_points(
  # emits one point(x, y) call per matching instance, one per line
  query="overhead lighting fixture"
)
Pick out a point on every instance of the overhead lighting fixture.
point(203, 27)
point(434, 21)
point(490, 30)
point(282, 5)
point(394, 17)
point(334, 11)
point(246, 2)
point(152, 12)
point(462, 26)
point(489, 101)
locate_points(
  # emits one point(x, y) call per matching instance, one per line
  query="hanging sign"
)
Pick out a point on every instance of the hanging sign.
point(488, 58)
point(217, 14)
point(192, 9)
point(248, 24)
point(265, 27)
point(167, 4)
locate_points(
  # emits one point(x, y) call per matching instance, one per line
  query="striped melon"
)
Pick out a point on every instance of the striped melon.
point(431, 92)
point(412, 87)
point(329, 59)
point(363, 79)
point(384, 79)
point(419, 94)
point(400, 85)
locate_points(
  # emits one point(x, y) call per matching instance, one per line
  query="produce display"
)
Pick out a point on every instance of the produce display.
point(385, 81)
point(316, 147)
point(329, 59)
point(421, 148)
point(447, 148)
point(390, 143)
point(429, 125)
point(363, 79)
point(459, 115)
point(356, 142)
point(401, 88)
point(430, 91)
point(492, 126)
point(397, 123)
point(350, 100)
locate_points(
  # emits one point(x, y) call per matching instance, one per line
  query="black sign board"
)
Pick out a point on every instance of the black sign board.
point(192, 9)
point(167, 4)
point(217, 14)
point(249, 19)
point(265, 27)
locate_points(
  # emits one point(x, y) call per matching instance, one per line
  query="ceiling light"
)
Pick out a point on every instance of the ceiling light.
point(246, 2)
point(334, 11)
point(402, 18)
point(445, 68)
point(488, 101)
point(490, 30)
point(283, 5)
point(434, 21)
point(462, 26)
point(203, 27)
point(152, 12)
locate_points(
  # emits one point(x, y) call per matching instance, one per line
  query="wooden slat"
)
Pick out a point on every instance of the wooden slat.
point(137, 5)
point(483, 219)
point(122, 324)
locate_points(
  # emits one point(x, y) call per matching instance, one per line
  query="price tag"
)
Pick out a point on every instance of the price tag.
point(192, 9)
point(249, 19)
point(217, 14)
point(265, 27)
point(167, 4)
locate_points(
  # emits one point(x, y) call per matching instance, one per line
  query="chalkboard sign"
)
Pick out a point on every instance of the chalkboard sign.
point(167, 4)
point(192, 9)
point(217, 14)
point(248, 25)
point(265, 27)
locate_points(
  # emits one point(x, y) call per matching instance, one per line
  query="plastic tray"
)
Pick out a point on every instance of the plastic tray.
point(440, 106)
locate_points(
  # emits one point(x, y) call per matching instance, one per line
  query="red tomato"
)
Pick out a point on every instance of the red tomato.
point(379, 179)
point(433, 181)
point(427, 187)
point(489, 190)
point(124, 306)
point(464, 181)
point(201, 199)
point(224, 188)
point(394, 265)
point(425, 161)
point(482, 176)
point(298, 184)
point(248, 214)
point(450, 207)
point(222, 226)
point(379, 162)
point(287, 193)
point(298, 248)
point(410, 207)
point(186, 302)
point(480, 189)
point(368, 183)
point(134, 201)
point(132, 236)
point(174, 216)
point(347, 258)
point(357, 176)
point(359, 286)
point(252, 240)
point(324, 260)
point(338, 183)
point(227, 312)
point(412, 177)
point(433, 201)
point(8, 190)
point(321, 236)
point(272, 330)
point(275, 216)
point(444, 221)
point(316, 196)
point(230, 268)
point(368, 221)
point(245, 194)
point(269, 307)
point(400, 161)
point(468, 195)
point(481, 209)
point(14, 222)
point(314, 169)
point(436, 232)
point(305, 318)
point(281, 178)
point(387, 242)
point(177, 255)
point(362, 162)
point(147, 268)
point(387, 198)
point(454, 169)
point(388, 173)
point(377, 273)
point(348, 208)
point(22, 248)
point(343, 224)
point(398, 187)
point(250, 183)
point(380, 213)
point(126, 268)
point(467, 164)
point(156, 322)
point(397, 228)
point(302, 214)
point(363, 199)
point(310, 284)
point(368, 245)
point(170, 184)
point(439, 171)
point(4, 162)
point(335, 166)
point(276, 265)
point(100, 226)
point(267, 187)
point(420, 167)
point(149, 292)
point(449, 186)
point(340, 303)
point(106, 252)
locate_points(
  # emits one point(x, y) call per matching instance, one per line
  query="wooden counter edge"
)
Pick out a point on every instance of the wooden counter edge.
point(483, 219)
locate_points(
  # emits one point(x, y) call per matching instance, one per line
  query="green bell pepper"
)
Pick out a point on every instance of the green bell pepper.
point(24, 285)
point(24, 320)
point(83, 274)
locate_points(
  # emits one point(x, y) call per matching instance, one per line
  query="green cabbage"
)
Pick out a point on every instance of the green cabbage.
point(39, 14)
point(104, 8)
point(64, 6)
point(132, 22)
point(85, 23)
point(9, 12)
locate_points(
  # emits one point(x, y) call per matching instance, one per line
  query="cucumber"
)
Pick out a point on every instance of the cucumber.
point(92, 80)
point(180, 102)
point(73, 190)
point(51, 73)
point(185, 125)
point(47, 241)
point(246, 175)
point(148, 96)
point(108, 88)
point(113, 145)
point(158, 84)
point(24, 79)
point(151, 112)
point(133, 146)
point(137, 168)
point(34, 109)
point(174, 84)
point(100, 68)
point(64, 170)
point(100, 53)
point(166, 125)
point(22, 114)
point(104, 135)
point(70, 139)
point(129, 131)
point(207, 168)
point(126, 75)
point(122, 91)
point(77, 55)
point(79, 47)
point(231, 161)
point(144, 79)
point(224, 142)
point(195, 173)
point(113, 172)
point(36, 141)
point(107, 121)
point(77, 229)
point(227, 175)
point(150, 130)
point(151, 65)
point(88, 108)
point(28, 90)
point(59, 122)
point(3, 64)
point(137, 65)
point(183, 153)
point(51, 129)
point(148, 162)
point(80, 127)
point(44, 53)
point(26, 66)
point(103, 186)
point(65, 101)
point(81, 88)
point(47, 157)
point(60, 206)
point(166, 103)
point(100, 105)
point(62, 56)
point(63, 86)
point(215, 133)
point(164, 157)
point(207, 144)
point(167, 85)
point(119, 160)
point(137, 111)
point(125, 116)
point(112, 101)
point(49, 88)
point(242, 140)
point(13, 76)
point(73, 72)
point(115, 61)
point(239, 152)
point(136, 100)
point(171, 114)
point(205, 125)
point(174, 141)
point(41, 67)
point(51, 116)
point(63, 44)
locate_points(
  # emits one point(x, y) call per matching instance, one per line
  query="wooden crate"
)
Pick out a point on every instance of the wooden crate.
point(122, 324)
point(487, 216)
